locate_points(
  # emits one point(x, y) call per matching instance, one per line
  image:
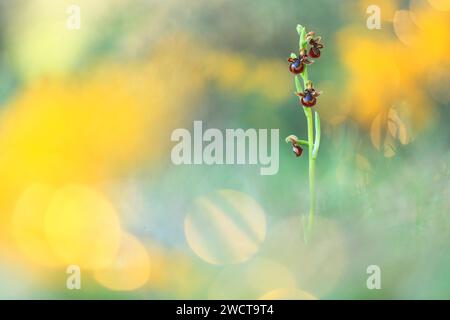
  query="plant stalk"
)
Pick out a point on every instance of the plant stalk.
point(313, 139)
point(311, 157)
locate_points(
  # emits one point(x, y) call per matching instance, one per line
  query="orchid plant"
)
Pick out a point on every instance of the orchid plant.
point(310, 46)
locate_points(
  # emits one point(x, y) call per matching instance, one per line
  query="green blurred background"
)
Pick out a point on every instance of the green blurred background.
point(86, 177)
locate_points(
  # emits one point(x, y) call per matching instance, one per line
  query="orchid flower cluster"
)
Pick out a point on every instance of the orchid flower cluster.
point(310, 48)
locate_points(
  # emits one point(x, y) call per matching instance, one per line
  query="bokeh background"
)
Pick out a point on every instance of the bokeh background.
point(85, 170)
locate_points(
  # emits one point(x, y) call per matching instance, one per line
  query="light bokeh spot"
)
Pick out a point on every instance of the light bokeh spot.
point(83, 227)
point(224, 227)
point(405, 28)
point(130, 269)
point(28, 224)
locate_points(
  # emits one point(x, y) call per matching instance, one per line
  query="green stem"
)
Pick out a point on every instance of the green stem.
point(303, 142)
point(313, 143)
point(311, 155)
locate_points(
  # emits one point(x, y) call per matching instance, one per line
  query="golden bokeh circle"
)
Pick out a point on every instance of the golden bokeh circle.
point(28, 224)
point(82, 227)
point(130, 269)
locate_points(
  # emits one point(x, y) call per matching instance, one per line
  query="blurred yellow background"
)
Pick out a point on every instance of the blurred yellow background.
point(85, 171)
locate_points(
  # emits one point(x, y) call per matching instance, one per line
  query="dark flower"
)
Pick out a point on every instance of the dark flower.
point(297, 149)
point(308, 97)
point(297, 65)
point(316, 46)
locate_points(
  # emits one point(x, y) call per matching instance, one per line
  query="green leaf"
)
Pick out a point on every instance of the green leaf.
point(317, 139)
